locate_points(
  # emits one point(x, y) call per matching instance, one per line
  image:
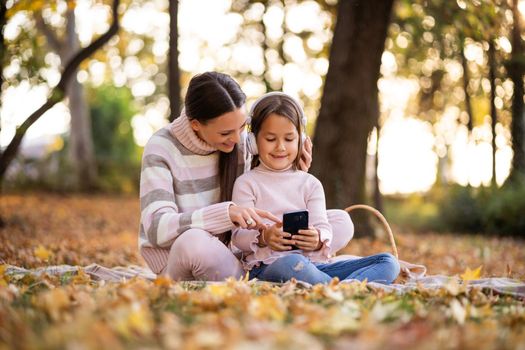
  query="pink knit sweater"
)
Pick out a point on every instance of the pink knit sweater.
point(280, 192)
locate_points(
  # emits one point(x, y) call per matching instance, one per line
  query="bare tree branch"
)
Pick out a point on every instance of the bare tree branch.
point(58, 92)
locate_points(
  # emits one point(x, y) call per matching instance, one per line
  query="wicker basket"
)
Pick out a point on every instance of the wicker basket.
point(383, 221)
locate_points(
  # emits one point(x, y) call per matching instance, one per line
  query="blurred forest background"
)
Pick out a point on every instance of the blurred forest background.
point(414, 107)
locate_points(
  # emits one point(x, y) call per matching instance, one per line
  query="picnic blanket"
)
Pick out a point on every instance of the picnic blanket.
point(415, 276)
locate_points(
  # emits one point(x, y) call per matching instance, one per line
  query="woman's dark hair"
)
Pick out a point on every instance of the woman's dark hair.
point(209, 96)
point(283, 106)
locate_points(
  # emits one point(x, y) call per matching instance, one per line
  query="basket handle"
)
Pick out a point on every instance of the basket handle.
point(381, 218)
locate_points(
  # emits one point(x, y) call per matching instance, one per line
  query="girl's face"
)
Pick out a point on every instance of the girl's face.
point(278, 142)
point(223, 132)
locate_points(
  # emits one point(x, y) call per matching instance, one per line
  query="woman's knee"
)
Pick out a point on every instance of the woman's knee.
point(193, 243)
point(199, 254)
point(342, 228)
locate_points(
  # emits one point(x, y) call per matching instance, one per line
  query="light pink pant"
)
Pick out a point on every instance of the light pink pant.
point(199, 255)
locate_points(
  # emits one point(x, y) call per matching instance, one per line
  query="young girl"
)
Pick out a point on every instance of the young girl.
point(276, 184)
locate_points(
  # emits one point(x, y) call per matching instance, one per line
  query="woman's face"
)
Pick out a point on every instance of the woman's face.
point(223, 132)
point(278, 142)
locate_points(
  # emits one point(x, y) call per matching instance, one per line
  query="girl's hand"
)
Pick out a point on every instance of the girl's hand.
point(274, 237)
point(250, 218)
point(306, 156)
point(308, 240)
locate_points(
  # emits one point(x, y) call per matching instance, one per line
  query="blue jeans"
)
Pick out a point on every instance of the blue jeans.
point(382, 268)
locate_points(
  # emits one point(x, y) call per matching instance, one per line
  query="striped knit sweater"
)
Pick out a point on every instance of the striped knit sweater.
point(179, 190)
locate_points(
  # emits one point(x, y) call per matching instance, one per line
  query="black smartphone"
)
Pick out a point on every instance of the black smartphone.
point(294, 221)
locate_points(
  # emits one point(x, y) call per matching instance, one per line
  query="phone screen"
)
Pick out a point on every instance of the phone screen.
point(295, 221)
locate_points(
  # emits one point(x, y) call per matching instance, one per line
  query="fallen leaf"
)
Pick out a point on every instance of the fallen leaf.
point(42, 253)
point(268, 306)
point(163, 281)
point(458, 312)
point(470, 275)
point(54, 302)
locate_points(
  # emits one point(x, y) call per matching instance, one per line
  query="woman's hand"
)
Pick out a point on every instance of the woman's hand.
point(274, 237)
point(306, 157)
point(250, 218)
point(308, 240)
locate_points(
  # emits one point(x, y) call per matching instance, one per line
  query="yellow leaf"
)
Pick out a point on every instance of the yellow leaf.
point(42, 253)
point(470, 275)
point(246, 277)
point(132, 319)
point(219, 290)
point(81, 277)
point(267, 306)
point(71, 5)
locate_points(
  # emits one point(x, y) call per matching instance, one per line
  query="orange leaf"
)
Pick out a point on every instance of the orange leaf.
point(162, 281)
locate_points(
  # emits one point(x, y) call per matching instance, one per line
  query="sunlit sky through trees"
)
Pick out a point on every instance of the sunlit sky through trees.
point(409, 148)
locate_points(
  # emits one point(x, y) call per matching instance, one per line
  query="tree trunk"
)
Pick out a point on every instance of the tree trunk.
point(493, 112)
point(173, 62)
point(265, 48)
point(3, 20)
point(349, 106)
point(81, 151)
point(516, 71)
point(378, 198)
point(279, 47)
point(466, 80)
point(3, 11)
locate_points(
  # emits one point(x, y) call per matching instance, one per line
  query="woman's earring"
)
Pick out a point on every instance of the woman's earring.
point(251, 144)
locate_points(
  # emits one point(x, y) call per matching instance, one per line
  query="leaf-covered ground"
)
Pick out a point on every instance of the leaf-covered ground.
point(75, 312)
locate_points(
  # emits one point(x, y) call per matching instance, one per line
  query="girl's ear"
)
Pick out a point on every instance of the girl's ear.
point(195, 124)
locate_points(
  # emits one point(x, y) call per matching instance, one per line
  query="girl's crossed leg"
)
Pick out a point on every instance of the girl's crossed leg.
point(382, 268)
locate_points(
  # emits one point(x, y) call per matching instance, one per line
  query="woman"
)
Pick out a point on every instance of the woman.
point(188, 171)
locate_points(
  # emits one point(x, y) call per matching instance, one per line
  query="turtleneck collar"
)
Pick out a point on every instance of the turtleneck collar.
point(181, 129)
point(263, 166)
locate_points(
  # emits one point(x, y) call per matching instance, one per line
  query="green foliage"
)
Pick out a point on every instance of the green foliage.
point(428, 36)
point(417, 212)
point(460, 210)
point(467, 209)
point(488, 210)
point(505, 210)
point(118, 157)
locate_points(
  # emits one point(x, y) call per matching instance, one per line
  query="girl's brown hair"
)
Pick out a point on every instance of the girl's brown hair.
point(284, 106)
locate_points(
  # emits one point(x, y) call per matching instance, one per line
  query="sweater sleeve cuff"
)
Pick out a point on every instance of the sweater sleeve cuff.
point(324, 252)
point(216, 218)
point(254, 240)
